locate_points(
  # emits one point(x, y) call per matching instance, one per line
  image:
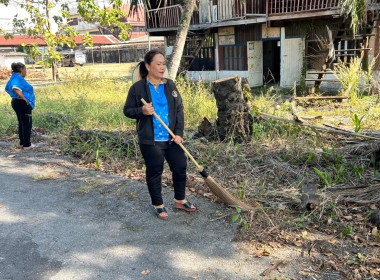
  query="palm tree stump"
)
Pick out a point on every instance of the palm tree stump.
point(234, 117)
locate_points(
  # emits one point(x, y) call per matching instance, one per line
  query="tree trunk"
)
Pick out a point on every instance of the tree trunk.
point(54, 70)
point(48, 19)
point(181, 38)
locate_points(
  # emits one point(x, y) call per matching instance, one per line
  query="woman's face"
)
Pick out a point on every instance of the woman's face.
point(23, 72)
point(157, 67)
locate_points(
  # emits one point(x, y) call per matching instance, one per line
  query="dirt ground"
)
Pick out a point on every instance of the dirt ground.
point(43, 194)
point(62, 221)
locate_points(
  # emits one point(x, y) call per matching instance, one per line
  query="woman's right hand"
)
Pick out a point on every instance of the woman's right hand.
point(148, 109)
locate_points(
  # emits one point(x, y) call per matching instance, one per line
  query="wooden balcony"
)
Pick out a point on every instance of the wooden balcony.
point(276, 7)
point(169, 17)
point(237, 9)
point(232, 10)
point(164, 17)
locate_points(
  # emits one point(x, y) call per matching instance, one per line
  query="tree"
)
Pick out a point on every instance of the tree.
point(181, 38)
point(40, 22)
point(356, 10)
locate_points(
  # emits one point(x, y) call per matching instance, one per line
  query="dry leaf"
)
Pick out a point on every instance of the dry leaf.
point(374, 231)
point(258, 254)
point(372, 207)
point(305, 273)
point(208, 195)
point(145, 272)
point(11, 156)
point(305, 235)
point(192, 189)
point(275, 244)
point(266, 253)
point(333, 241)
point(348, 218)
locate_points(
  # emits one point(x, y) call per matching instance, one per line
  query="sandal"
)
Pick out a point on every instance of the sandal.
point(188, 206)
point(159, 212)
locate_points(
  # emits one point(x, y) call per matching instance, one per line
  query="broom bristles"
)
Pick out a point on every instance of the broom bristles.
point(224, 195)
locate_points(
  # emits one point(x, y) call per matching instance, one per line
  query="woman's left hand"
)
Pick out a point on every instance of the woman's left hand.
point(177, 139)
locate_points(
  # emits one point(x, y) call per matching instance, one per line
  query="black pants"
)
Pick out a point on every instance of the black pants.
point(154, 156)
point(24, 117)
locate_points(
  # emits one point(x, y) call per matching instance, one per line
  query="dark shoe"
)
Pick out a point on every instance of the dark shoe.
point(159, 213)
point(188, 206)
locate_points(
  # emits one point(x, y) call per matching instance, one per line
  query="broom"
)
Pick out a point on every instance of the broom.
point(218, 190)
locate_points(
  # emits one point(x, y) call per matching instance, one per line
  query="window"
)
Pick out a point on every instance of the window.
point(234, 58)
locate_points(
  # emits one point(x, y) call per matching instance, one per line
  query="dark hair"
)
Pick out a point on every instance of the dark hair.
point(17, 67)
point(147, 60)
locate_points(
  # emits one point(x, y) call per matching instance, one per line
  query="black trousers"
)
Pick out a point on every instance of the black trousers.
point(24, 117)
point(154, 156)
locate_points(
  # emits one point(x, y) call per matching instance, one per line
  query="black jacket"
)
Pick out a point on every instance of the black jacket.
point(144, 124)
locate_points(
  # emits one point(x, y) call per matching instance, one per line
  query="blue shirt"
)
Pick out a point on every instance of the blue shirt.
point(161, 108)
point(18, 82)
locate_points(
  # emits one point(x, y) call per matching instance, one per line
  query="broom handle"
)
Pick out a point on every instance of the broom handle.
point(200, 168)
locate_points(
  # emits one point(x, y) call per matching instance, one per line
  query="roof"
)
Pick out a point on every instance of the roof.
point(19, 39)
point(135, 18)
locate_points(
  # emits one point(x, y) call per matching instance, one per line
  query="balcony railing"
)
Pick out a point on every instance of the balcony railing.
point(295, 6)
point(235, 9)
point(169, 17)
point(164, 17)
point(226, 10)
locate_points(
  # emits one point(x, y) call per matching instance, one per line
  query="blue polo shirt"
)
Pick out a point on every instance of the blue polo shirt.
point(18, 82)
point(161, 108)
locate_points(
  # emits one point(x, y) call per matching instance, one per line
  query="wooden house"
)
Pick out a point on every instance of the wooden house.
point(263, 40)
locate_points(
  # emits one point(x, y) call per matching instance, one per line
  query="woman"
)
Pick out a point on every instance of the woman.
point(155, 144)
point(23, 101)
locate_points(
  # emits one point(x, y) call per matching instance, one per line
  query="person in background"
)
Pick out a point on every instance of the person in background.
point(155, 143)
point(23, 101)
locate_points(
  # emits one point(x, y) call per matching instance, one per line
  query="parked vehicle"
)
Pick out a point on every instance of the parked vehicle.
point(72, 59)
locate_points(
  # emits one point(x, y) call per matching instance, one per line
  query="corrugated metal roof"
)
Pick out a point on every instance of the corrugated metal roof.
point(12, 54)
point(19, 39)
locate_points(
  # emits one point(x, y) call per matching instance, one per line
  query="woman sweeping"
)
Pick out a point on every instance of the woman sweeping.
point(155, 143)
point(23, 101)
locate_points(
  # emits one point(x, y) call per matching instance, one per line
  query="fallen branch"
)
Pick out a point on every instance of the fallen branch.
point(334, 131)
point(321, 98)
point(273, 267)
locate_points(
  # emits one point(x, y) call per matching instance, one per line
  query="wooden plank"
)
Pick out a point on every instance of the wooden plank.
point(349, 50)
point(321, 72)
point(321, 80)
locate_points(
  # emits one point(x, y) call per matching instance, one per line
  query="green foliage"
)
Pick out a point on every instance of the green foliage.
point(356, 10)
point(244, 223)
point(347, 230)
point(325, 177)
point(357, 122)
point(39, 25)
point(109, 18)
point(198, 101)
point(350, 77)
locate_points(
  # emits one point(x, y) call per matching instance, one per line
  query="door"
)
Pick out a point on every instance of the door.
point(271, 63)
point(292, 52)
point(255, 63)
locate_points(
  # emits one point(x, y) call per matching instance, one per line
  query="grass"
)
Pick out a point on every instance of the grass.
point(86, 114)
